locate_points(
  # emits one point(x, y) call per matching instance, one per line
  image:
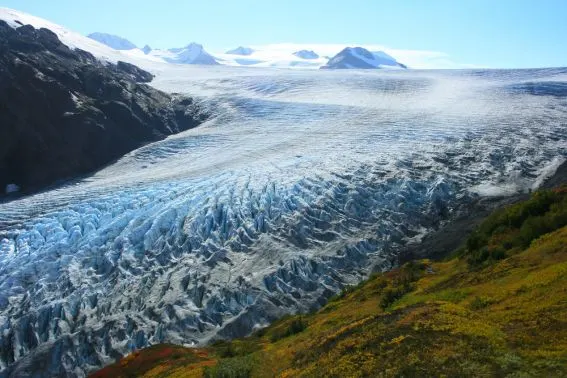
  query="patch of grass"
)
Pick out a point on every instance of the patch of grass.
point(479, 303)
point(236, 367)
point(293, 327)
point(402, 282)
point(235, 348)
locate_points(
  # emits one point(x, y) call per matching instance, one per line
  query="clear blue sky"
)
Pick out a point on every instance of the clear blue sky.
point(497, 33)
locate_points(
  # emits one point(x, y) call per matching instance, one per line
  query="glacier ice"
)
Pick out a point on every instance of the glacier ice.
point(301, 184)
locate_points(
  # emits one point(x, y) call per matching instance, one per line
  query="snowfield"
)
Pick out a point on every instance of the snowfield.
point(74, 40)
point(270, 56)
point(301, 183)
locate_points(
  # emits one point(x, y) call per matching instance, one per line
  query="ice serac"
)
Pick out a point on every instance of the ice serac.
point(306, 54)
point(241, 50)
point(112, 41)
point(360, 58)
point(66, 113)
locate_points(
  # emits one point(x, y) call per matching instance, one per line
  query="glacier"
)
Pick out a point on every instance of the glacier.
point(300, 184)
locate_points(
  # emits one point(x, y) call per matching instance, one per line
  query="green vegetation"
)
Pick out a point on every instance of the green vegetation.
point(236, 348)
point(294, 326)
point(402, 284)
point(236, 367)
point(498, 309)
point(512, 229)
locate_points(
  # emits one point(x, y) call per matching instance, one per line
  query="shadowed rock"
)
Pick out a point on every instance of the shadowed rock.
point(64, 113)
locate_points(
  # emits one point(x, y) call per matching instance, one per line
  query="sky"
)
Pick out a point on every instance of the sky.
point(444, 33)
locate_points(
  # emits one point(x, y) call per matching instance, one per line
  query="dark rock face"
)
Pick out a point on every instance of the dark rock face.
point(136, 74)
point(64, 113)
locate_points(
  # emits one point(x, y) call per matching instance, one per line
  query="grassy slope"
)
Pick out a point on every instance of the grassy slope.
point(498, 308)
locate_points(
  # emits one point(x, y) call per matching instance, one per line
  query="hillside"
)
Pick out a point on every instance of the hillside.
point(64, 113)
point(497, 308)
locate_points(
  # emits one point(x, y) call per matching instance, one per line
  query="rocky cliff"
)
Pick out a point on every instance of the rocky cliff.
point(64, 113)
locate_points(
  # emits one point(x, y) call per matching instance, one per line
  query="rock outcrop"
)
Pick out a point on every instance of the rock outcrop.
point(64, 113)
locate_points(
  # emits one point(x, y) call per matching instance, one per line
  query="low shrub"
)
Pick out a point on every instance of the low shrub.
point(479, 303)
point(516, 227)
point(236, 367)
point(295, 326)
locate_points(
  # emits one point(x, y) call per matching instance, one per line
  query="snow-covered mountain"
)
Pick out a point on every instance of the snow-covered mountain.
point(306, 54)
point(58, 90)
point(193, 53)
point(75, 40)
point(360, 58)
point(275, 56)
point(113, 41)
point(285, 56)
point(240, 50)
point(114, 48)
point(99, 44)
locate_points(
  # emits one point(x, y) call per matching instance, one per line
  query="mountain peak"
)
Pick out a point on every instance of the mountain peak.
point(306, 54)
point(241, 50)
point(361, 58)
point(112, 41)
point(193, 53)
point(194, 45)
